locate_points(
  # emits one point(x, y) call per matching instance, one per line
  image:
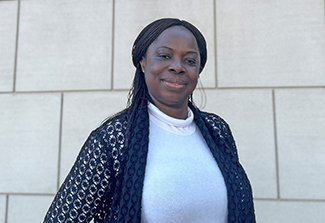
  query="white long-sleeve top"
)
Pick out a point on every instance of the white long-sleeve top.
point(183, 183)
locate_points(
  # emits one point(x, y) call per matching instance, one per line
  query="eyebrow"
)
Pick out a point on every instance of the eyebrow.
point(166, 47)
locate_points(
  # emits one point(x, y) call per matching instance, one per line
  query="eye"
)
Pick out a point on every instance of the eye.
point(164, 56)
point(190, 61)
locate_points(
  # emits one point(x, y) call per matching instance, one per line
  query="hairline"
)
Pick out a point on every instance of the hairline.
point(181, 27)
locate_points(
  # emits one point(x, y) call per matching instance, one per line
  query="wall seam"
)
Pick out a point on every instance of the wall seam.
point(276, 145)
point(72, 91)
point(290, 200)
point(112, 55)
point(60, 141)
point(121, 90)
point(7, 208)
point(271, 87)
point(16, 48)
point(28, 194)
point(215, 42)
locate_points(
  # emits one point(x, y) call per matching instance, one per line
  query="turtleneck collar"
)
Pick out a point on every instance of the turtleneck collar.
point(170, 124)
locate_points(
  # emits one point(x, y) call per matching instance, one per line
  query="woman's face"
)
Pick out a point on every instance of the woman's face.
point(171, 67)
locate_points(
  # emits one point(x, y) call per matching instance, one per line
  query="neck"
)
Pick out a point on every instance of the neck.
point(179, 112)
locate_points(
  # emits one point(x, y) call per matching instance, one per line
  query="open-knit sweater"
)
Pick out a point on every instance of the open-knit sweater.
point(106, 181)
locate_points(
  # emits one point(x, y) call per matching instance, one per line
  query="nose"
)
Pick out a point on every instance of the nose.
point(176, 67)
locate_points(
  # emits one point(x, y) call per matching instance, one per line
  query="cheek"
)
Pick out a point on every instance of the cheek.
point(194, 80)
point(194, 75)
point(156, 68)
point(151, 81)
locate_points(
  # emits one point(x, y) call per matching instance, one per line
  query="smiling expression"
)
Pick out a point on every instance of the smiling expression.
point(171, 67)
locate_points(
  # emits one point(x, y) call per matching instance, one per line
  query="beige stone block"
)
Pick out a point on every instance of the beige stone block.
point(28, 208)
point(289, 211)
point(3, 208)
point(8, 27)
point(132, 16)
point(64, 45)
point(29, 142)
point(300, 115)
point(270, 43)
point(83, 112)
point(250, 116)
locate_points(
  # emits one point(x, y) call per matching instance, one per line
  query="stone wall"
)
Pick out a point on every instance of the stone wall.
point(65, 66)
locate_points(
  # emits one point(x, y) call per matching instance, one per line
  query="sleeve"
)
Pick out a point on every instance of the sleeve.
point(88, 181)
point(230, 142)
point(244, 191)
point(222, 135)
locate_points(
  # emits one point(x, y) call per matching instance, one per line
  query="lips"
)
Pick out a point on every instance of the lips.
point(173, 84)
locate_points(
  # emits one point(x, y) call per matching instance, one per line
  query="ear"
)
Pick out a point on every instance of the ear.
point(142, 63)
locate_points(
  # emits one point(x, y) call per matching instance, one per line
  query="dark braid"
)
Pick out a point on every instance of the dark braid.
point(138, 94)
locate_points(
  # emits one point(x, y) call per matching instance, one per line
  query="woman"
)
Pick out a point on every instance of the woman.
point(161, 159)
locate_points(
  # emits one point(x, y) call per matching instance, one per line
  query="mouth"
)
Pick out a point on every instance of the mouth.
point(173, 83)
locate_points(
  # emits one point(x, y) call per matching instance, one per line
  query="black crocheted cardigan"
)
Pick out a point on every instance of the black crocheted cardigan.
point(106, 181)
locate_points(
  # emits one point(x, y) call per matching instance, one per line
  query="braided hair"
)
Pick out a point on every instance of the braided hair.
point(138, 94)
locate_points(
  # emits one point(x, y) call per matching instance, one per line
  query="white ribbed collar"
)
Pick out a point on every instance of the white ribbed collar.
point(170, 124)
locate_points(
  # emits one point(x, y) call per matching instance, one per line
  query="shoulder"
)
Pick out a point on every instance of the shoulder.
point(213, 120)
point(110, 135)
point(214, 123)
point(219, 129)
point(112, 125)
point(105, 144)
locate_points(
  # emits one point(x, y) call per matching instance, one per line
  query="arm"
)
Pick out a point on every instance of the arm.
point(85, 186)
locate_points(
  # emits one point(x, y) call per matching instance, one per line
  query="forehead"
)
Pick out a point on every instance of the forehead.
point(176, 35)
